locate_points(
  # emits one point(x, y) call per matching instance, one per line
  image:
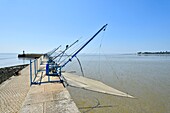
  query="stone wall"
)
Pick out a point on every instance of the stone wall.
point(7, 72)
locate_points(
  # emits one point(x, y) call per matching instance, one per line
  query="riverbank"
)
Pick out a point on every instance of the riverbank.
point(7, 72)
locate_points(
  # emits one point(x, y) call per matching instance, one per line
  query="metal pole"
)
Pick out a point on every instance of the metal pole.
point(48, 71)
point(37, 65)
point(64, 51)
point(48, 78)
point(35, 69)
point(30, 73)
point(84, 45)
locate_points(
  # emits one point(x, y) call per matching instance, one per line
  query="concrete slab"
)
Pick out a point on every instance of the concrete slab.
point(49, 98)
point(33, 108)
point(62, 106)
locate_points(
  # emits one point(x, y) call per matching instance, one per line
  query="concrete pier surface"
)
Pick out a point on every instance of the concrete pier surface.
point(17, 96)
point(49, 98)
point(13, 92)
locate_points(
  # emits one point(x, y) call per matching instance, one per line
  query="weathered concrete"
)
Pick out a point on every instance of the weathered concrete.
point(49, 98)
point(14, 91)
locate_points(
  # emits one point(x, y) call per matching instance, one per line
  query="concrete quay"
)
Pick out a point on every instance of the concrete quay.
point(17, 96)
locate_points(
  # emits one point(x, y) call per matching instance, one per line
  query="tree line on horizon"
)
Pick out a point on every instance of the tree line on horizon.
point(161, 52)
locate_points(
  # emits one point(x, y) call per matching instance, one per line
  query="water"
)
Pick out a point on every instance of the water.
point(11, 59)
point(147, 78)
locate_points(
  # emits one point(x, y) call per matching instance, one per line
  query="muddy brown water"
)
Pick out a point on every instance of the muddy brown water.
point(147, 78)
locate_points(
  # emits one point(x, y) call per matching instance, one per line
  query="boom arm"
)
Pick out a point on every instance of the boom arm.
point(65, 50)
point(54, 51)
point(84, 45)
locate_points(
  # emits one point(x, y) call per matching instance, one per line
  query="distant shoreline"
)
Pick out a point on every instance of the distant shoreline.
point(157, 53)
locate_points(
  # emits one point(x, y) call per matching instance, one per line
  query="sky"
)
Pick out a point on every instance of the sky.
point(38, 26)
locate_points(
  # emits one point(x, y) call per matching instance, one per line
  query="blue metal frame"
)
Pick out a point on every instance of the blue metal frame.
point(30, 73)
point(48, 67)
point(53, 67)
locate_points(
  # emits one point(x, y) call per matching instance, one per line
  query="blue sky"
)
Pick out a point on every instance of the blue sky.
point(41, 25)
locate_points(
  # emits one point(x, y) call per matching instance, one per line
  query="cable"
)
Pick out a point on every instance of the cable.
point(121, 82)
point(80, 66)
point(100, 45)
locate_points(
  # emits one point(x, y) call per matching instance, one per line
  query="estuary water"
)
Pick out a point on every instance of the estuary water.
point(147, 78)
point(11, 59)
